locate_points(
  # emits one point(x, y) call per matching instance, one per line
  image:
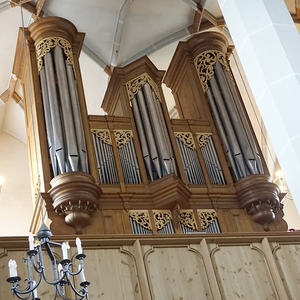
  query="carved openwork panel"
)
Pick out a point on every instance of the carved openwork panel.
point(134, 85)
point(186, 138)
point(122, 137)
point(162, 218)
point(45, 46)
point(203, 138)
point(204, 64)
point(186, 217)
point(141, 217)
point(207, 217)
point(103, 135)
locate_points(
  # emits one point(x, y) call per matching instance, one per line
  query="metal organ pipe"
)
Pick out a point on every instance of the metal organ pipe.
point(142, 137)
point(68, 121)
point(153, 133)
point(149, 134)
point(77, 118)
point(63, 120)
point(232, 124)
point(47, 114)
point(55, 116)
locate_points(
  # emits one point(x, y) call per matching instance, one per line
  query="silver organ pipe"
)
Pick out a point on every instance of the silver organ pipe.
point(64, 128)
point(233, 125)
point(189, 157)
point(105, 156)
point(129, 163)
point(213, 167)
point(152, 130)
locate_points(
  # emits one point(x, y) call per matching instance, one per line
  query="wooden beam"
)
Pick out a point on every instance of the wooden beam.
point(17, 2)
point(212, 19)
point(39, 9)
point(296, 16)
point(25, 4)
point(35, 10)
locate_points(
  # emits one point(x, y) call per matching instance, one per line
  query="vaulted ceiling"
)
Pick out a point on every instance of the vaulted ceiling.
point(117, 32)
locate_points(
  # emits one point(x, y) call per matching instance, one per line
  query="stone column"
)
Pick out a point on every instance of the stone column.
point(268, 45)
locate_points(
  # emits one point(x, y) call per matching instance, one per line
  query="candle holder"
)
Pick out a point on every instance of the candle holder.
point(62, 271)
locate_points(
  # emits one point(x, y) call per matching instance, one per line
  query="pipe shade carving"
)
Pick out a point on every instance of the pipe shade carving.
point(45, 46)
point(208, 220)
point(229, 115)
point(154, 138)
point(204, 63)
point(66, 141)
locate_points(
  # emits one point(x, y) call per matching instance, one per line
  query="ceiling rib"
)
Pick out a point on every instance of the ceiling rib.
point(4, 5)
point(118, 35)
point(91, 54)
point(175, 36)
point(193, 4)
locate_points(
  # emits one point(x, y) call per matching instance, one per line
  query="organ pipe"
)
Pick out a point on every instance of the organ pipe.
point(151, 127)
point(65, 135)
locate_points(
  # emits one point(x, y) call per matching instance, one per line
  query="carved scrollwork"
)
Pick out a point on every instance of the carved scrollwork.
point(122, 137)
point(186, 138)
point(186, 217)
point(134, 85)
point(79, 205)
point(162, 218)
point(141, 217)
point(202, 138)
point(103, 135)
point(207, 217)
point(204, 63)
point(45, 45)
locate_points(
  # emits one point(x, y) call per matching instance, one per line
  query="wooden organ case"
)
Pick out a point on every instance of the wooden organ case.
point(135, 170)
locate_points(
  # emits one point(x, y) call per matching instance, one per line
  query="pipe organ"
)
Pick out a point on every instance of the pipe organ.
point(151, 127)
point(135, 170)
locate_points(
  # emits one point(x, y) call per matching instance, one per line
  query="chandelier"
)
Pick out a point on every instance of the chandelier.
point(62, 271)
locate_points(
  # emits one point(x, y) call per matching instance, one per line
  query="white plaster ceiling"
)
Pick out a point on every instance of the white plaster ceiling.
point(145, 23)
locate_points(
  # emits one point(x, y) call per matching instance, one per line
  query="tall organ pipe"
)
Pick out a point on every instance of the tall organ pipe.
point(64, 126)
point(142, 137)
point(59, 146)
point(153, 134)
point(149, 134)
point(232, 124)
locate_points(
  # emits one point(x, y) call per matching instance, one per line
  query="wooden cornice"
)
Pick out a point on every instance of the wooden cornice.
point(188, 50)
point(120, 75)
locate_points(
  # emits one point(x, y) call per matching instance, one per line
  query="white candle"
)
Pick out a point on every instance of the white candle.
point(35, 295)
point(60, 268)
point(31, 241)
point(78, 244)
point(64, 247)
point(82, 277)
point(12, 265)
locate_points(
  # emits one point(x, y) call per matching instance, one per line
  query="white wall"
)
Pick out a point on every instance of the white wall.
point(15, 196)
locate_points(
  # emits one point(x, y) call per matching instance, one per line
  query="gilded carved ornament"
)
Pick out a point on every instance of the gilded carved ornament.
point(186, 217)
point(207, 217)
point(122, 137)
point(103, 135)
point(45, 46)
point(203, 138)
point(134, 85)
point(204, 63)
point(162, 218)
point(186, 138)
point(141, 217)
